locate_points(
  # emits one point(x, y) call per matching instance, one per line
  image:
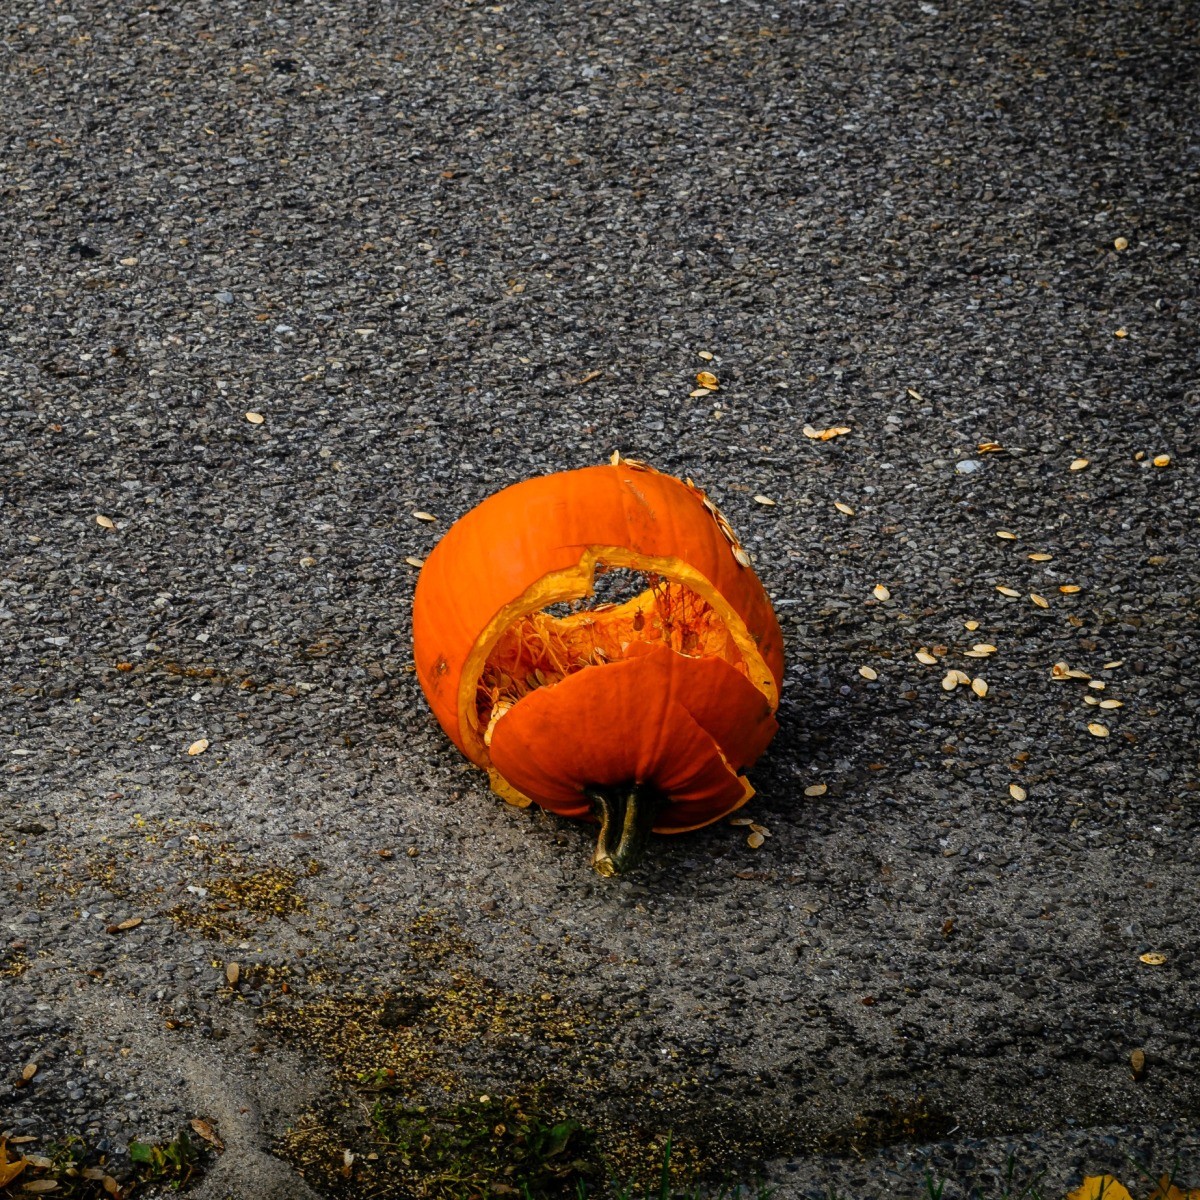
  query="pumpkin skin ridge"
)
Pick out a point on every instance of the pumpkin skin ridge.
point(617, 502)
point(671, 719)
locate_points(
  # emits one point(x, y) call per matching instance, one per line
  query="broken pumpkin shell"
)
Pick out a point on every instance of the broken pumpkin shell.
point(643, 714)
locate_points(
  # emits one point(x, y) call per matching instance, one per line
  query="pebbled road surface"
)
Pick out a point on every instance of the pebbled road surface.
point(441, 247)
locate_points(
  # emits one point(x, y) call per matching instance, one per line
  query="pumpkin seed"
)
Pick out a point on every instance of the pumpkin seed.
point(1097, 730)
point(1090, 699)
point(233, 972)
point(984, 647)
point(1076, 673)
point(989, 447)
point(1112, 703)
point(198, 747)
point(755, 840)
point(924, 656)
point(843, 508)
point(706, 379)
point(131, 923)
point(949, 681)
point(1006, 591)
point(816, 789)
point(414, 561)
point(29, 1071)
point(255, 418)
point(707, 355)
point(1112, 666)
point(1162, 460)
point(971, 625)
point(880, 592)
point(1016, 791)
point(962, 677)
point(764, 500)
point(741, 821)
point(979, 687)
point(424, 516)
point(742, 557)
point(1121, 333)
point(696, 393)
point(1004, 533)
point(1040, 557)
point(1069, 589)
point(1098, 684)
point(810, 432)
point(1040, 601)
point(1078, 464)
point(976, 653)
point(1153, 959)
point(868, 673)
point(761, 829)
point(1120, 243)
point(105, 522)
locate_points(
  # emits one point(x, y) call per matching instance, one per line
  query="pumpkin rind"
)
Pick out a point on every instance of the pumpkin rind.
point(537, 543)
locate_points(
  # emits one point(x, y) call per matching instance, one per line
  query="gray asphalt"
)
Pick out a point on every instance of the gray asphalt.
point(443, 247)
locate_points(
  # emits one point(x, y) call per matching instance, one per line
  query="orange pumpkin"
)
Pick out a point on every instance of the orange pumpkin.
point(643, 714)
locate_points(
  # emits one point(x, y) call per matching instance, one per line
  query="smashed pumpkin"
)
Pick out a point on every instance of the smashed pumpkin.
point(642, 714)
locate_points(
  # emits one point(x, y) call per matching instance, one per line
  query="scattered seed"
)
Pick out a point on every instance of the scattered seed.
point(1090, 699)
point(880, 592)
point(984, 647)
point(868, 672)
point(755, 840)
point(1040, 557)
point(962, 677)
point(949, 681)
point(1121, 243)
point(1069, 589)
point(29, 1071)
point(1121, 333)
point(811, 433)
point(131, 923)
point(1112, 703)
point(707, 355)
point(198, 747)
point(742, 821)
point(1097, 730)
point(816, 789)
point(761, 829)
point(971, 625)
point(1006, 591)
point(1060, 670)
point(925, 657)
point(255, 418)
point(1016, 791)
point(1162, 460)
point(1040, 601)
point(696, 393)
point(1112, 666)
point(742, 557)
point(1153, 959)
point(706, 379)
point(1076, 673)
point(233, 972)
point(105, 522)
point(764, 500)
point(979, 687)
point(424, 516)
point(1078, 464)
point(1098, 684)
point(413, 561)
point(207, 1132)
point(974, 654)
point(1006, 535)
point(843, 508)
point(38, 1186)
point(989, 447)
point(1137, 1058)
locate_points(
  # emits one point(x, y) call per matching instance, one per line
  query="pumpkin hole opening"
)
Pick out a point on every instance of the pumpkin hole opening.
point(627, 613)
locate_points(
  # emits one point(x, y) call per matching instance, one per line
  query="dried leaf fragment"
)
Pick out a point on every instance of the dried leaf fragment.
point(816, 789)
point(979, 687)
point(38, 1186)
point(424, 516)
point(868, 673)
point(1153, 958)
point(1040, 601)
point(880, 592)
point(129, 923)
point(1017, 792)
point(766, 501)
point(1078, 464)
point(755, 840)
point(207, 1132)
point(1097, 730)
point(706, 379)
point(843, 508)
point(255, 418)
point(105, 522)
point(198, 747)
point(925, 657)
point(1099, 1187)
point(1006, 591)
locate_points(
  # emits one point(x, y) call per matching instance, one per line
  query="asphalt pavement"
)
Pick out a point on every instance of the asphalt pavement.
point(276, 277)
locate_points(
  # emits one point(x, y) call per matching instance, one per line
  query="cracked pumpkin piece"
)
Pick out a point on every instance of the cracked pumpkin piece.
point(641, 715)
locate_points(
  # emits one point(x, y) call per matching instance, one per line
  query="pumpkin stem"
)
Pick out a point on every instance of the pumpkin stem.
point(627, 813)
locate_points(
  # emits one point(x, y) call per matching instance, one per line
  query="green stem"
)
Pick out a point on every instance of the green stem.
point(627, 813)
